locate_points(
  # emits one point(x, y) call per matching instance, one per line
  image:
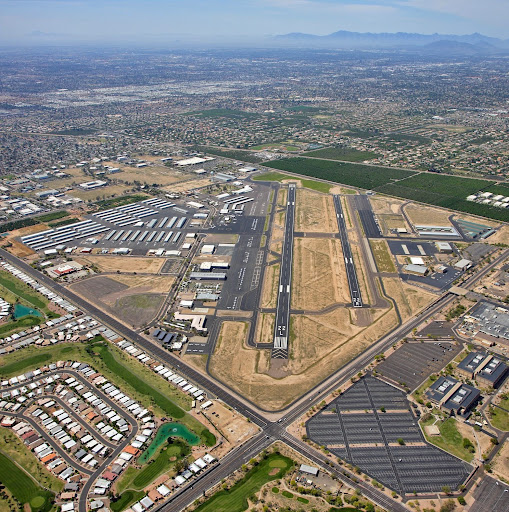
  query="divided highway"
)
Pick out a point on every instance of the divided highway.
point(282, 327)
point(353, 283)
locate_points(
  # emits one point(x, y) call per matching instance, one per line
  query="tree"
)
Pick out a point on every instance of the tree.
point(446, 490)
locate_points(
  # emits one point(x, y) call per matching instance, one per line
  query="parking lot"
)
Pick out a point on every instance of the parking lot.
point(436, 280)
point(364, 427)
point(491, 496)
point(413, 363)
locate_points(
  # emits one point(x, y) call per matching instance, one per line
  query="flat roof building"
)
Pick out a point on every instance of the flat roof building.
point(420, 270)
point(486, 369)
point(453, 396)
point(463, 264)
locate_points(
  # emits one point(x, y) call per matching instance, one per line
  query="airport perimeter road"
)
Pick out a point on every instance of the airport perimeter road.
point(282, 327)
point(353, 283)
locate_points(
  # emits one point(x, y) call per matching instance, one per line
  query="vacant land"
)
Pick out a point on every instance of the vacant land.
point(100, 193)
point(135, 306)
point(319, 275)
point(265, 328)
point(383, 258)
point(319, 344)
point(282, 178)
point(274, 467)
point(426, 216)
point(314, 212)
point(409, 299)
point(356, 175)
point(342, 153)
point(270, 286)
point(501, 462)
point(120, 201)
point(121, 264)
point(142, 283)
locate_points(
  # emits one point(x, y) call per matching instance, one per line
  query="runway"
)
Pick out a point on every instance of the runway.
point(282, 324)
point(353, 283)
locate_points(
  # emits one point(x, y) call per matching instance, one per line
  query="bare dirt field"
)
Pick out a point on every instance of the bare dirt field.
point(100, 193)
point(144, 284)
point(427, 215)
point(319, 275)
point(186, 186)
point(319, 345)
point(385, 205)
point(149, 175)
point(501, 463)
point(481, 441)
point(314, 212)
point(109, 263)
point(134, 306)
point(281, 197)
point(265, 328)
point(270, 286)
point(409, 299)
point(501, 236)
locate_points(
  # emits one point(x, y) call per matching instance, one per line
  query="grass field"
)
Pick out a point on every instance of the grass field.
point(318, 186)
point(23, 291)
point(12, 446)
point(235, 499)
point(23, 488)
point(120, 201)
point(52, 216)
point(123, 371)
point(341, 153)
point(382, 256)
point(15, 326)
point(163, 461)
point(449, 439)
point(127, 498)
point(355, 175)
point(499, 418)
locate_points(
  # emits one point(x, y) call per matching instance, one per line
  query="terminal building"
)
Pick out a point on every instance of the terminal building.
point(453, 396)
point(484, 368)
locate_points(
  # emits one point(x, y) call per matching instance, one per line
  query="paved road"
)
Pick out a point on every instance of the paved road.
point(353, 283)
point(282, 324)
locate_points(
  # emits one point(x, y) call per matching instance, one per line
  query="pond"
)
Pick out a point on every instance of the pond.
point(166, 431)
point(20, 311)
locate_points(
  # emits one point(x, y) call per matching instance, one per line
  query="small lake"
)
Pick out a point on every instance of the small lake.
point(20, 311)
point(166, 431)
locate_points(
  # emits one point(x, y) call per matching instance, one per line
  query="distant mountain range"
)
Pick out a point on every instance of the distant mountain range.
point(466, 44)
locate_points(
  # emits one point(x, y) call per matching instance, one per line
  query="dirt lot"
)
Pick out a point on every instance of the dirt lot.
point(479, 439)
point(109, 263)
point(385, 205)
point(383, 258)
point(314, 212)
point(186, 186)
point(322, 344)
point(134, 306)
point(265, 328)
point(319, 275)
point(270, 286)
point(150, 175)
point(427, 216)
point(409, 299)
point(501, 236)
point(99, 193)
point(153, 284)
point(501, 464)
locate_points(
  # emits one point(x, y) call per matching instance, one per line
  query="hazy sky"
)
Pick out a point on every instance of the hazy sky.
point(142, 21)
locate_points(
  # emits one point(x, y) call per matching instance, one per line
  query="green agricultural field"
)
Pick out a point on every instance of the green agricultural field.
point(23, 488)
point(446, 191)
point(235, 499)
point(123, 371)
point(63, 222)
point(341, 153)
point(311, 184)
point(499, 188)
point(355, 175)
